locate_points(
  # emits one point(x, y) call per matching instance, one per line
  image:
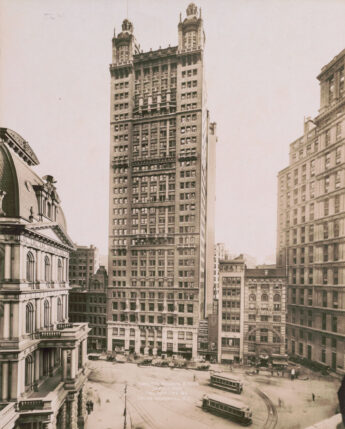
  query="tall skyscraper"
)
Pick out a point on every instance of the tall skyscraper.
point(161, 193)
point(311, 228)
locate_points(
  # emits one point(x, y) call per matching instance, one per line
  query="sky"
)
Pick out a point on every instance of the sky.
point(261, 59)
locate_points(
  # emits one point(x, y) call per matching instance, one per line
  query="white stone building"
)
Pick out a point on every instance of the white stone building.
point(42, 356)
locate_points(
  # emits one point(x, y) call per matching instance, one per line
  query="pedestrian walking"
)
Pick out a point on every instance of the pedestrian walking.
point(279, 402)
point(313, 396)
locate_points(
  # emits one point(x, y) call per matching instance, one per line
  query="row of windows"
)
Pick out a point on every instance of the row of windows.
point(31, 269)
point(170, 320)
point(322, 141)
point(121, 85)
point(30, 315)
point(182, 308)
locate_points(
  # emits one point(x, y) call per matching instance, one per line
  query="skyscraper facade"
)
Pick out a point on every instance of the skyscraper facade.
point(84, 263)
point(161, 193)
point(311, 226)
point(220, 253)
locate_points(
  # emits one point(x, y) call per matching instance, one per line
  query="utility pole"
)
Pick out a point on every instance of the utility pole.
point(125, 410)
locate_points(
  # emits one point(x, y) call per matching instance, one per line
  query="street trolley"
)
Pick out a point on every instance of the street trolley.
point(226, 382)
point(232, 409)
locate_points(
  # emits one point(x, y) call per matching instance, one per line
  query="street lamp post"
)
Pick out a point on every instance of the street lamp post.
point(125, 410)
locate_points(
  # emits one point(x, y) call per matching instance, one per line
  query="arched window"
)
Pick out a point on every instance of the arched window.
point(59, 310)
point(46, 314)
point(47, 269)
point(28, 370)
point(60, 271)
point(252, 297)
point(30, 267)
point(276, 297)
point(264, 297)
point(29, 318)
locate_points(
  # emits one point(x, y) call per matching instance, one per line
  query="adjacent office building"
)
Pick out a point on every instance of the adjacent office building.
point(251, 316)
point(84, 263)
point(311, 228)
point(42, 355)
point(161, 193)
point(90, 305)
point(220, 253)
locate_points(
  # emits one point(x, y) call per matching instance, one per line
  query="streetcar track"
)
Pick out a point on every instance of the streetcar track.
point(272, 417)
point(144, 415)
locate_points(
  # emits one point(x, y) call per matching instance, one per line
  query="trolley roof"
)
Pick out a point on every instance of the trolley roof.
point(226, 375)
point(227, 401)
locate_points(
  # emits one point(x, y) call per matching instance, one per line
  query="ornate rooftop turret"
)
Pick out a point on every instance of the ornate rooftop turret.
point(127, 26)
point(190, 30)
point(124, 45)
point(192, 10)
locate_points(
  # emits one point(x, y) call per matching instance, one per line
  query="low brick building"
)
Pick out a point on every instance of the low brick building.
point(251, 313)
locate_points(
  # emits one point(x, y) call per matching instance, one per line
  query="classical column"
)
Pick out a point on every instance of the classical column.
point(14, 379)
point(7, 261)
point(15, 319)
point(77, 358)
point(84, 354)
point(53, 260)
point(6, 320)
point(64, 364)
point(38, 265)
point(73, 362)
point(38, 314)
point(51, 362)
point(15, 268)
point(52, 310)
point(4, 387)
point(37, 364)
point(20, 377)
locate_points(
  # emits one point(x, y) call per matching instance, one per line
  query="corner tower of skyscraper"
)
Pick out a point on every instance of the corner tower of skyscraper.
point(161, 194)
point(311, 228)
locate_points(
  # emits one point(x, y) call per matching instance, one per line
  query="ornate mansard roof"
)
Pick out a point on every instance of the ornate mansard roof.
point(24, 196)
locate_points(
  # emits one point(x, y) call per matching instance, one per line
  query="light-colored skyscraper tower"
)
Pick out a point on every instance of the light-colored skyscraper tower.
point(311, 227)
point(161, 166)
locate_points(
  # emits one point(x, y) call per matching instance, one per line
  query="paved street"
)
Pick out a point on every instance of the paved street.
point(164, 398)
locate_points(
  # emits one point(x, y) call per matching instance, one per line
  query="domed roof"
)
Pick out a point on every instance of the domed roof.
point(19, 183)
